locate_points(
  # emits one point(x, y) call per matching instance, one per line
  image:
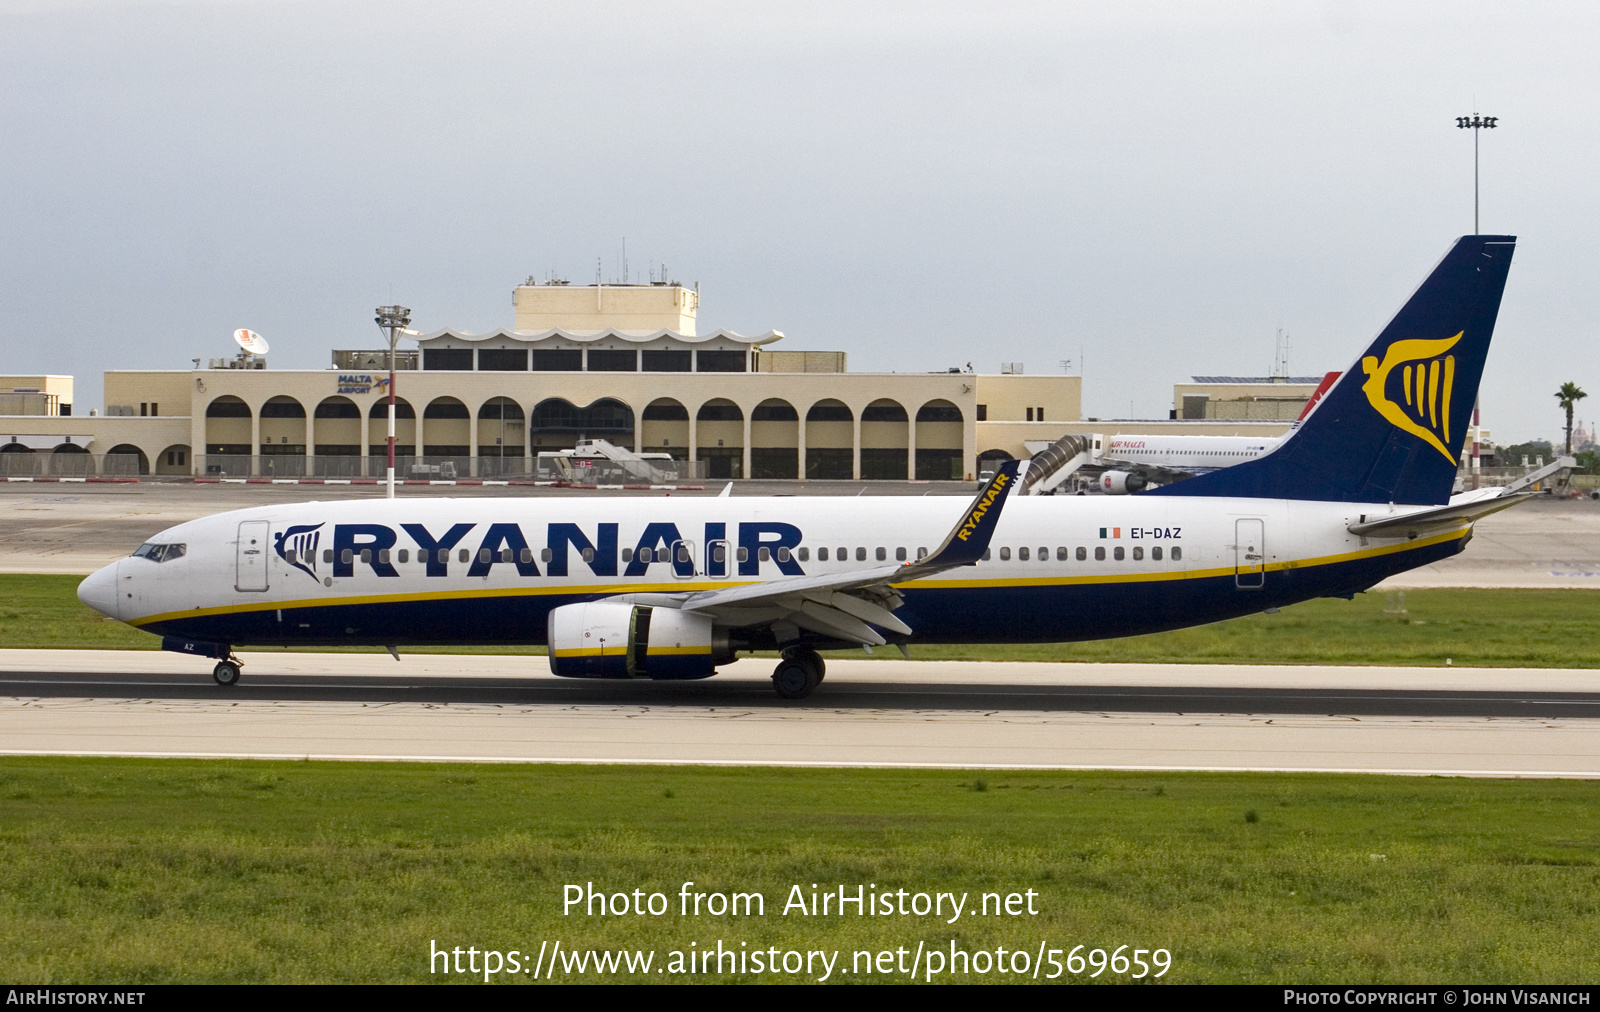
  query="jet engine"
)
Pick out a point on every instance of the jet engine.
point(1122, 483)
point(614, 639)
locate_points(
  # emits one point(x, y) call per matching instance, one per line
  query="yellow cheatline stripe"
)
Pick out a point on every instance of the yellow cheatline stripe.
point(434, 595)
point(592, 652)
point(677, 651)
point(1201, 574)
point(659, 588)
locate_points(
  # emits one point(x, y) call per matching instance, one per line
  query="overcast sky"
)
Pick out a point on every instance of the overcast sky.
point(1161, 185)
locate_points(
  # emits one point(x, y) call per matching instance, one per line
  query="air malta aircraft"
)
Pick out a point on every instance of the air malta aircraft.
point(1125, 464)
point(671, 588)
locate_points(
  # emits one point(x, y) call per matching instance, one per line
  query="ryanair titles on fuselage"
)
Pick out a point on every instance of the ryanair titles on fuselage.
point(508, 544)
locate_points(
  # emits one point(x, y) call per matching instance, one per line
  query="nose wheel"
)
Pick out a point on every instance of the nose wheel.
point(800, 671)
point(226, 672)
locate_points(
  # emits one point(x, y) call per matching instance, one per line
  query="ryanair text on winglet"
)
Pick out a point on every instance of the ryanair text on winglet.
point(999, 483)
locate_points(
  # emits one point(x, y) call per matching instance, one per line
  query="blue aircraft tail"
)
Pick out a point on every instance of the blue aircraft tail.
point(1392, 428)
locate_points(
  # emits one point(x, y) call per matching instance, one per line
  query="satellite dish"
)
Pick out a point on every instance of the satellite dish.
point(251, 342)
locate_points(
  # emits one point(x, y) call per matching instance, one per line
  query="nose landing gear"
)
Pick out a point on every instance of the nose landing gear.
point(226, 672)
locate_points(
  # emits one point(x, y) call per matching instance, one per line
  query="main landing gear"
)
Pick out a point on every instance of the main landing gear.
point(227, 672)
point(800, 671)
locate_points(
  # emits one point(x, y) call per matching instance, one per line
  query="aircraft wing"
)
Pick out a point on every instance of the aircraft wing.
point(846, 606)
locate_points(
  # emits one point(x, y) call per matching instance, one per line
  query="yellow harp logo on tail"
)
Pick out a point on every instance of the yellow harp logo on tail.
point(1426, 383)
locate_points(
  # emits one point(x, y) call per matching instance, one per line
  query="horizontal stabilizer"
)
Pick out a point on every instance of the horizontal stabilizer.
point(1411, 525)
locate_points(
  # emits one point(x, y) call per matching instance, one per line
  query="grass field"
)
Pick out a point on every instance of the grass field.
point(1500, 628)
point(145, 871)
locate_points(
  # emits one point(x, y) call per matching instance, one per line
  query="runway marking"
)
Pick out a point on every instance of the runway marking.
point(811, 763)
point(1301, 695)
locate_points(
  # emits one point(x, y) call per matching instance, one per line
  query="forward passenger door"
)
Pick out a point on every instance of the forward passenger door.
point(250, 571)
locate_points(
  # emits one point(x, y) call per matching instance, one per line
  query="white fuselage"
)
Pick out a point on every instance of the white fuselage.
point(1058, 568)
point(1185, 453)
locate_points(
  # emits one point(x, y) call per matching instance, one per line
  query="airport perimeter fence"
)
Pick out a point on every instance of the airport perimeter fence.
point(434, 468)
point(223, 465)
point(73, 465)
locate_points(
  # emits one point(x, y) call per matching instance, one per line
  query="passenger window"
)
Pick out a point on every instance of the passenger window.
point(922, 553)
point(805, 555)
point(1117, 553)
point(366, 556)
point(783, 555)
point(405, 555)
point(646, 555)
point(1177, 553)
point(327, 555)
point(763, 554)
point(1044, 555)
point(1022, 554)
point(464, 555)
point(861, 555)
point(288, 556)
point(1005, 554)
point(588, 555)
point(1083, 553)
point(1155, 553)
point(1100, 553)
point(822, 555)
point(507, 554)
point(347, 556)
point(899, 555)
point(718, 554)
point(743, 555)
point(844, 555)
point(544, 555)
point(1061, 554)
point(1138, 553)
point(483, 555)
point(683, 553)
point(383, 556)
point(986, 555)
point(882, 554)
point(526, 555)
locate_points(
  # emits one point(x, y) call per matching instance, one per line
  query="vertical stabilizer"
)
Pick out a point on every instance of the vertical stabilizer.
point(1392, 427)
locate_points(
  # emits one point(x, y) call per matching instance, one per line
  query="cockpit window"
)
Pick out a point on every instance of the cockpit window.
point(159, 553)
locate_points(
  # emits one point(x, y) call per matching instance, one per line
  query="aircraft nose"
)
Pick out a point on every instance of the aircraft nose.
point(99, 590)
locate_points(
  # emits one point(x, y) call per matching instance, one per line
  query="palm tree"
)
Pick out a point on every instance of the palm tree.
point(1568, 396)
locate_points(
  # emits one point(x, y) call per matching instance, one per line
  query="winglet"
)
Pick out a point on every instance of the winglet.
point(966, 543)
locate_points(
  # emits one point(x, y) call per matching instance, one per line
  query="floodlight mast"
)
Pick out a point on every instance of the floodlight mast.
point(392, 320)
point(1475, 123)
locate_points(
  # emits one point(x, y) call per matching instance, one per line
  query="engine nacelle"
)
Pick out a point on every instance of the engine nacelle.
point(612, 639)
point(1122, 483)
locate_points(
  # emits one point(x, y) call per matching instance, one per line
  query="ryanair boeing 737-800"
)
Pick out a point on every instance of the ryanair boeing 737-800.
point(670, 588)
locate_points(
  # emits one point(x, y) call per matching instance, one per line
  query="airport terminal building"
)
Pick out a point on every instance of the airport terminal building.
point(623, 363)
